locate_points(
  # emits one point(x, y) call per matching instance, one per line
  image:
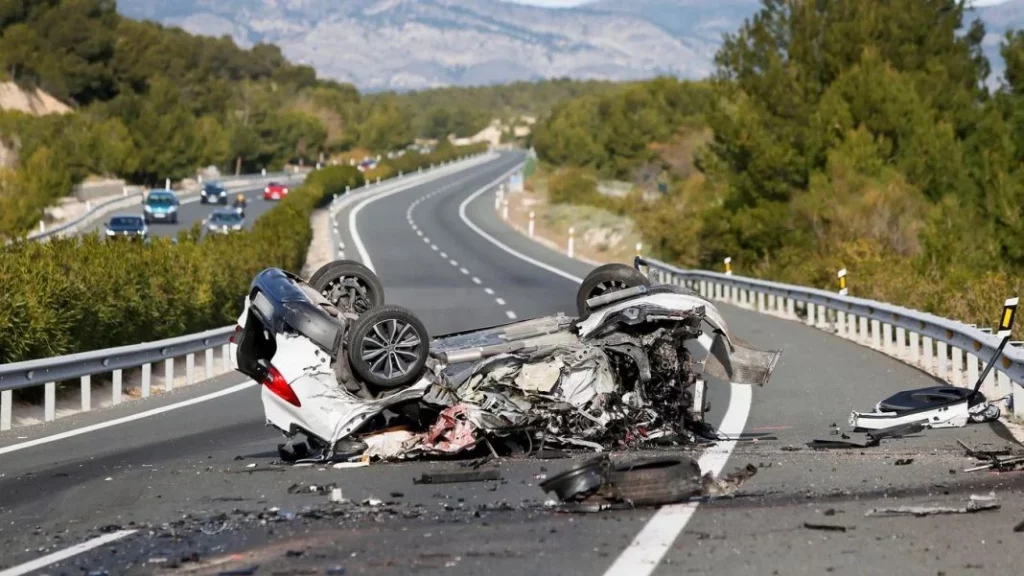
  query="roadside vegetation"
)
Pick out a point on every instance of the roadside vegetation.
point(152, 102)
point(834, 134)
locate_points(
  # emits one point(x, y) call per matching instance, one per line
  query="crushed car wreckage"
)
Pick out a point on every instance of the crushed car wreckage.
point(346, 375)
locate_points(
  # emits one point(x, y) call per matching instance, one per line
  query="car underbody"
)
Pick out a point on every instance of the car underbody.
point(346, 376)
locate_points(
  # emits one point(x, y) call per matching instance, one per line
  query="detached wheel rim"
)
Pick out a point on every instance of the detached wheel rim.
point(390, 348)
point(349, 294)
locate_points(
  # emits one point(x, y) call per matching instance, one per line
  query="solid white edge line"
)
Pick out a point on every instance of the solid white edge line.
point(644, 554)
point(364, 256)
point(75, 550)
point(125, 419)
point(492, 240)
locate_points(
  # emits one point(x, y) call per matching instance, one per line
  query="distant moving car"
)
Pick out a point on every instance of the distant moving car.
point(160, 206)
point(213, 193)
point(225, 221)
point(128, 226)
point(275, 191)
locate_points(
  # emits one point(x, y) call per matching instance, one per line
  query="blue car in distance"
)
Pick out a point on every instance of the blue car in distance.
point(160, 206)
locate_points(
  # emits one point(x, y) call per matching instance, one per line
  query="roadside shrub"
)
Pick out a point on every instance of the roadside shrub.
point(78, 294)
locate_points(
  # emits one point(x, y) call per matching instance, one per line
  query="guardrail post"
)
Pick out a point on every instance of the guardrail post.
point(901, 343)
point(760, 301)
point(530, 226)
point(876, 334)
point(915, 348)
point(791, 308)
point(887, 342)
point(1003, 385)
point(972, 369)
point(929, 354)
point(6, 399)
point(841, 327)
point(733, 295)
point(147, 379)
point(86, 393)
point(208, 363)
point(50, 401)
point(862, 333)
point(169, 374)
point(117, 387)
point(942, 355)
point(225, 357)
point(958, 367)
point(572, 231)
point(504, 210)
point(190, 369)
point(810, 314)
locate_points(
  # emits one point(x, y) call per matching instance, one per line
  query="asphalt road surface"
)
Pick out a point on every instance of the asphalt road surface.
point(191, 211)
point(197, 481)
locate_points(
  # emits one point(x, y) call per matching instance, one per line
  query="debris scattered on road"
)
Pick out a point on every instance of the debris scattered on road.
point(253, 465)
point(598, 484)
point(359, 464)
point(903, 462)
point(977, 504)
point(868, 439)
point(1019, 527)
point(247, 571)
point(311, 489)
point(825, 527)
point(336, 495)
point(454, 477)
point(1001, 460)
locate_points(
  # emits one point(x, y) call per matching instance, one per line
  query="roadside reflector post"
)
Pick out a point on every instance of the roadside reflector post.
point(6, 400)
point(50, 402)
point(348, 188)
point(842, 282)
point(572, 240)
point(147, 379)
point(86, 382)
point(531, 223)
point(504, 210)
point(263, 172)
point(124, 191)
point(88, 206)
point(728, 265)
point(42, 226)
point(1006, 320)
point(378, 179)
point(167, 183)
point(200, 178)
point(116, 388)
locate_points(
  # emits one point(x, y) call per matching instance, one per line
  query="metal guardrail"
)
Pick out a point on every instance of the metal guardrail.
point(83, 366)
point(127, 197)
point(947, 349)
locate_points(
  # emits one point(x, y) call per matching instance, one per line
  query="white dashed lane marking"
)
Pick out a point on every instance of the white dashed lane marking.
point(435, 248)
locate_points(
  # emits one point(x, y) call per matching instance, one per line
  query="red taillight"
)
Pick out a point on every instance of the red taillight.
point(278, 385)
point(237, 330)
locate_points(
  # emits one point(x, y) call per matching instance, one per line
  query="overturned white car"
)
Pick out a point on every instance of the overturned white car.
point(346, 375)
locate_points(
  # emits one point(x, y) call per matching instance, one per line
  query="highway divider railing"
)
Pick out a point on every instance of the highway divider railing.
point(946, 349)
point(141, 358)
point(132, 196)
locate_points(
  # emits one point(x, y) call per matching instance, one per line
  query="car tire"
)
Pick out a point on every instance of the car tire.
point(396, 342)
point(350, 286)
point(605, 279)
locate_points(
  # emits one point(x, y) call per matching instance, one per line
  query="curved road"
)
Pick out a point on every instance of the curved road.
point(198, 481)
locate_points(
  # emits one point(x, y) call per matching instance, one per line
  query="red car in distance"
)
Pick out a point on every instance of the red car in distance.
point(275, 191)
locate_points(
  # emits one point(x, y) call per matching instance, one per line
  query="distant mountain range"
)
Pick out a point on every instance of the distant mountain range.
point(416, 44)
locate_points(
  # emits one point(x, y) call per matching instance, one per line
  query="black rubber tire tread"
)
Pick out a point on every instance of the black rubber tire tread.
point(661, 481)
point(365, 323)
point(339, 268)
point(624, 273)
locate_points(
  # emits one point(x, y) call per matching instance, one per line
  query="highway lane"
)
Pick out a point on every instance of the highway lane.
point(183, 462)
point(192, 211)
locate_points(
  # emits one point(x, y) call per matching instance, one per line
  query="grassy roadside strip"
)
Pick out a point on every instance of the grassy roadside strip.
point(79, 294)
